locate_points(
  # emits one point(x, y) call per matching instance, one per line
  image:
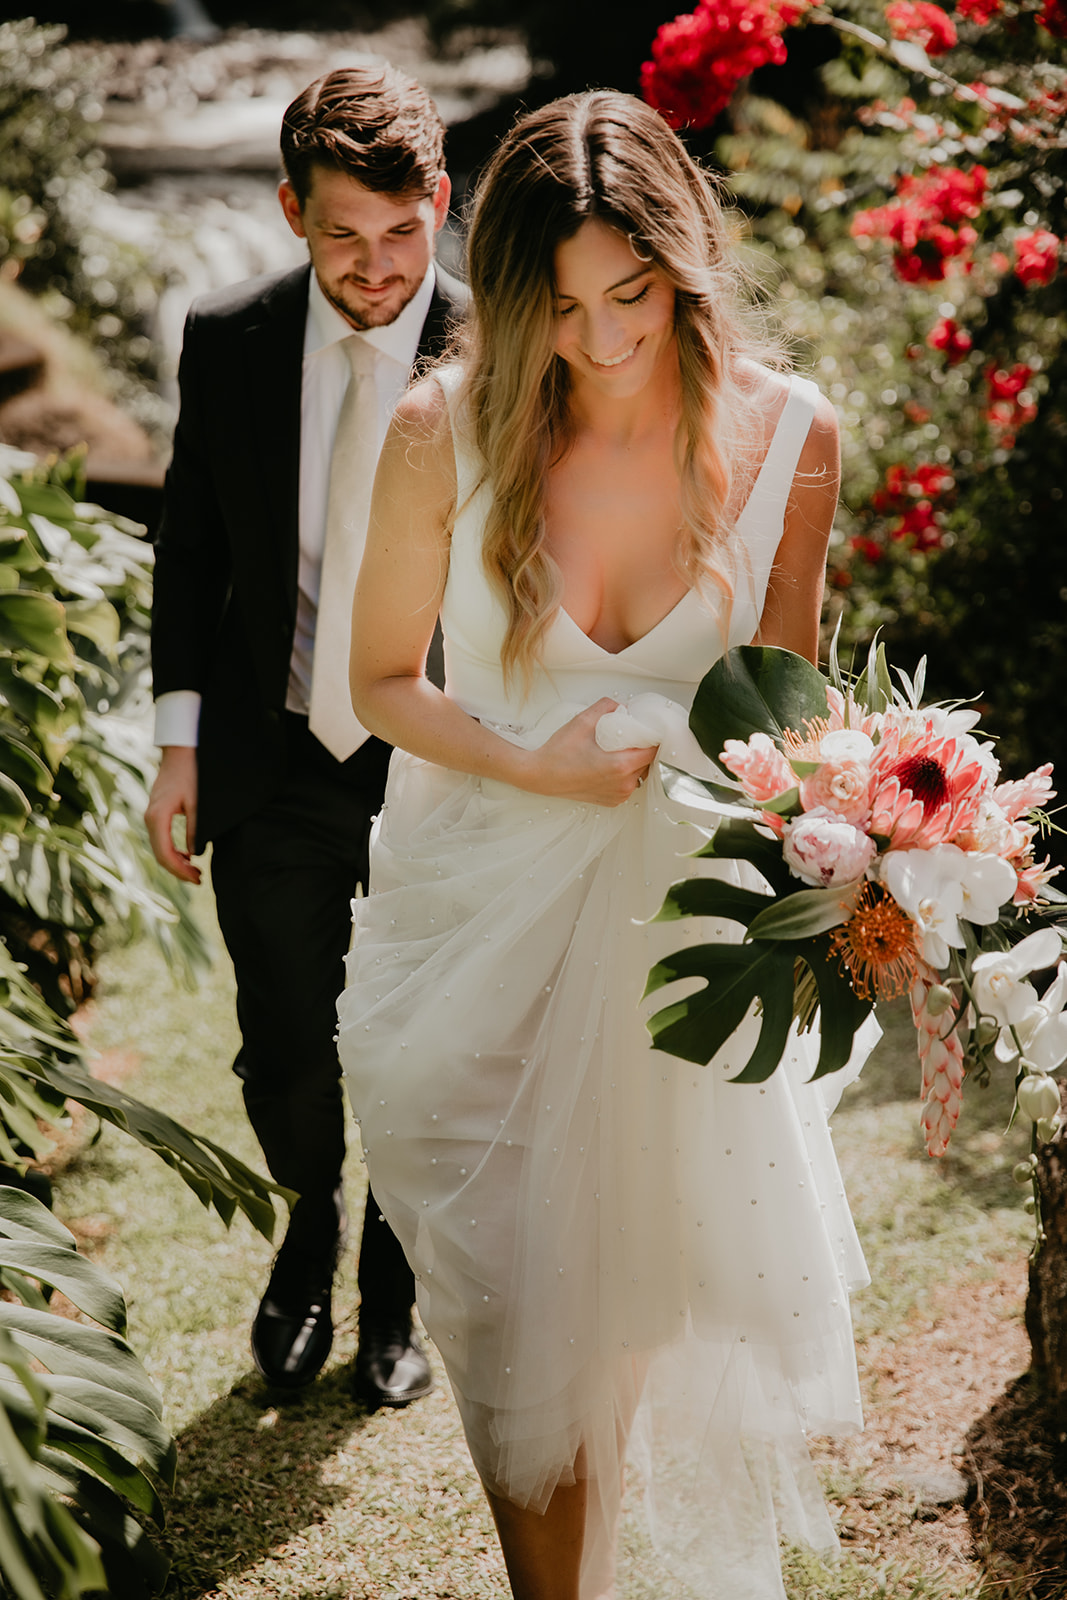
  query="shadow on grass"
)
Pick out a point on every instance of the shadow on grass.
point(250, 1477)
point(1016, 1458)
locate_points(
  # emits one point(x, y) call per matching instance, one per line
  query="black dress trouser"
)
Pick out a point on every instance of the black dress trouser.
point(284, 880)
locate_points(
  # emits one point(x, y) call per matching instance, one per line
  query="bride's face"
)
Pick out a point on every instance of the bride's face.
point(614, 312)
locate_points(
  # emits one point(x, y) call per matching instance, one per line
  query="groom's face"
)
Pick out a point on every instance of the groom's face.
point(369, 251)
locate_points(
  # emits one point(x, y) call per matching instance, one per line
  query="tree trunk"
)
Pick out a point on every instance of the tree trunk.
point(1046, 1301)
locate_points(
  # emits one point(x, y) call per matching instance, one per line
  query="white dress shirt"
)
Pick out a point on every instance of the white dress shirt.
point(326, 374)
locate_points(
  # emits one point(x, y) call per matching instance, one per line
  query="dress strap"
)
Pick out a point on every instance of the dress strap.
point(780, 463)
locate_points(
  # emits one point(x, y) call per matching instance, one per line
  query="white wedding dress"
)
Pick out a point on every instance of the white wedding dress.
point(615, 1249)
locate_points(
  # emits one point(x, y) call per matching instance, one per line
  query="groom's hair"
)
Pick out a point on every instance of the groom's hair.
point(374, 123)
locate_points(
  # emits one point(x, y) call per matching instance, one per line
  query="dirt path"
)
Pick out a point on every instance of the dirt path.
point(945, 1401)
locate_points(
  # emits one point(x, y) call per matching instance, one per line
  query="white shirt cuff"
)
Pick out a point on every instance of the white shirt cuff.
point(178, 717)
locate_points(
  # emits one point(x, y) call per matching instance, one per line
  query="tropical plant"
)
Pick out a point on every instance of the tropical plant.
point(82, 1449)
point(82, 1440)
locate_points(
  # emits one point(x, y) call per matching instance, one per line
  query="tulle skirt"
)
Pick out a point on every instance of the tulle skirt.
point(630, 1265)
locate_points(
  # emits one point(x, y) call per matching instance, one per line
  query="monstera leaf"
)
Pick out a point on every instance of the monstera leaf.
point(755, 689)
point(786, 924)
point(81, 1435)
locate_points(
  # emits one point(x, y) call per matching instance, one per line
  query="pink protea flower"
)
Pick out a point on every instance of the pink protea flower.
point(760, 765)
point(941, 1057)
point(925, 788)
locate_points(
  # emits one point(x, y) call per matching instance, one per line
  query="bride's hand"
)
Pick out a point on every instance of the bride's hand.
point(572, 766)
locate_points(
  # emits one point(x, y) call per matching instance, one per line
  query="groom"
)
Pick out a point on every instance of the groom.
point(256, 560)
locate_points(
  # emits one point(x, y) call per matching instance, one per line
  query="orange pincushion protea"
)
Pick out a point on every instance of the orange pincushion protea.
point(877, 946)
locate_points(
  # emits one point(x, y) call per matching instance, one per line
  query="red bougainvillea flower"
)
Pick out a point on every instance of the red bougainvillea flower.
point(923, 23)
point(1037, 257)
point(699, 59)
point(979, 11)
point(1011, 405)
point(926, 222)
point(1054, 18)
point(910, 493)
point(952, 340)
point(870, 549)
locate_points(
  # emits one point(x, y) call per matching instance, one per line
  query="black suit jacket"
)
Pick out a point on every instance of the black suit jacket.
point(227, 550)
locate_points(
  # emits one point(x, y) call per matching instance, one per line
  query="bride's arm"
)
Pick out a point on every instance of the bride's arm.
point(794, 594)
point(398, 596)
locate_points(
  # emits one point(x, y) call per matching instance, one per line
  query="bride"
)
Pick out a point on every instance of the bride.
point(632, 1268)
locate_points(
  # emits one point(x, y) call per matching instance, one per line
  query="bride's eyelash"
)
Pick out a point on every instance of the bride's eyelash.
point(635, 300)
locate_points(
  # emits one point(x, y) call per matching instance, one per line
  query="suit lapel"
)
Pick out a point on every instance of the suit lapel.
point(274, 348)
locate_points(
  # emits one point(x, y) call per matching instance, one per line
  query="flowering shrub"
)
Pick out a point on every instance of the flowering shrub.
point(927, 25)
point(915, 215)
point(926, 222)
point(699, 59)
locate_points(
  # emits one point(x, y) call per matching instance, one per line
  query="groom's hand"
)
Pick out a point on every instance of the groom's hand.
point(174, 795)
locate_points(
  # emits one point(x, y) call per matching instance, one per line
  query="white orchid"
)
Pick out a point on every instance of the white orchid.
point(1043, 1033)
point(1002, 992)
point(937, 887)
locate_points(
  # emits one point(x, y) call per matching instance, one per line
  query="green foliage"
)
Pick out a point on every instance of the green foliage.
point(82, 1440)
point(52, 178)
point(755, 689)
point(74, 860)
point(977, 581)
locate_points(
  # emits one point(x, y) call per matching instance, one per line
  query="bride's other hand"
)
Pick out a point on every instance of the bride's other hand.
point(572, 766)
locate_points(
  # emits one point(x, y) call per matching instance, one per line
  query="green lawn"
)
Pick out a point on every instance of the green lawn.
point(313, 1499)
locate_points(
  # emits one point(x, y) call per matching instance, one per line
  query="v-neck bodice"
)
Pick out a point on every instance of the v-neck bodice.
point(670, 659)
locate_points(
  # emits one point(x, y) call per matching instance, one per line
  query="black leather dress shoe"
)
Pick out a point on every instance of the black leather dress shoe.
point(293, 1329)
point(391, 1367)
point(290, 1344)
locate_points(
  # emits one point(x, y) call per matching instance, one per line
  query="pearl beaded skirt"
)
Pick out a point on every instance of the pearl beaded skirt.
point(632, 1267)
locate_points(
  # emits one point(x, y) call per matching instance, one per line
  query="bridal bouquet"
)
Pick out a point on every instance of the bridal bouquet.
point(893, 861)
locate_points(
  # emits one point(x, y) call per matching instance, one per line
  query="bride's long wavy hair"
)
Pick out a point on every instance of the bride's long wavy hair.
point(607, 156)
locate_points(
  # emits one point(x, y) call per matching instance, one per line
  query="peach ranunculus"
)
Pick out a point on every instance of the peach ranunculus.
point(842, 787)
point(760, 765)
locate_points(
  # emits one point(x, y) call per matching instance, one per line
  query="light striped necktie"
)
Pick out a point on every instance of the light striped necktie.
point(352, 464)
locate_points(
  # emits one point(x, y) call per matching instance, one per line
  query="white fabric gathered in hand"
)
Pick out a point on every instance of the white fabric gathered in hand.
point(652, 719)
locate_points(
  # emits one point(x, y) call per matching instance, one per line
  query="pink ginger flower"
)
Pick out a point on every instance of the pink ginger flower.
point(1016, 799)
point(925, 788)
point(760, 765)
point(1032, 879)
point(941, 1058)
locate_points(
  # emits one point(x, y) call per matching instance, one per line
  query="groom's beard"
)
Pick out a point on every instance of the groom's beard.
point(371, 305)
